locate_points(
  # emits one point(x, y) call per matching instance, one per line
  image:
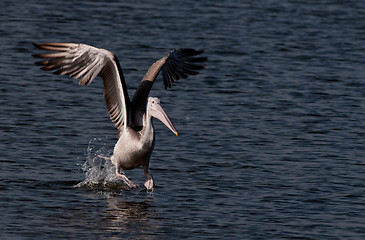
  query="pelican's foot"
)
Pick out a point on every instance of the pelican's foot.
point(130, 184)
point(149, 184)
point(126, 180)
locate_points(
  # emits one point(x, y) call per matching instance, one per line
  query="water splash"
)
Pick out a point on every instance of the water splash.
point(99, 171)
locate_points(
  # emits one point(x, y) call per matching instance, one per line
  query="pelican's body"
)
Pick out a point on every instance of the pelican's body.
point(134, 149)
point(136, 137)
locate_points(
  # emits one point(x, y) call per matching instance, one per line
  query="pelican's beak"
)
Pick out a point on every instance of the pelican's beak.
point(159, 113)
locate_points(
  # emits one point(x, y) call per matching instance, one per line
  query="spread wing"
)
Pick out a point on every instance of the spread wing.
point(179, 63)
point(85, 62)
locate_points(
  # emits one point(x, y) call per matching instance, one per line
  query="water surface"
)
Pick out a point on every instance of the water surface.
point(271, 133)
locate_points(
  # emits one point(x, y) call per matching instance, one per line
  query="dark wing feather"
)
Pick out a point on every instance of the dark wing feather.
point(179, 63)
point(87, 62)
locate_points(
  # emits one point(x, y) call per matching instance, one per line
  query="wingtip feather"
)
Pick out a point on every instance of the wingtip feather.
point(181, 63)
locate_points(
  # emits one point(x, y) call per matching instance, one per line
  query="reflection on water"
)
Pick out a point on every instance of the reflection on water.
point(106, 214)
point(124, 218)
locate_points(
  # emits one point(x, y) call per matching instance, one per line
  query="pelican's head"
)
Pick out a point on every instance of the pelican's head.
point(155, 110)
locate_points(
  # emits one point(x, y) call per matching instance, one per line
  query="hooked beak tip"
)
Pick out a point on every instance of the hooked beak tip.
point(177, 134)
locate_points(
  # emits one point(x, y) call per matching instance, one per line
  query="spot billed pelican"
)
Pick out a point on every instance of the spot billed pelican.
point(133, 119)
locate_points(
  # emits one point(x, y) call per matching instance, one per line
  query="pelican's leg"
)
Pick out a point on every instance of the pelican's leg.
point(125, 179)
point(149, 182)
point(104, 157)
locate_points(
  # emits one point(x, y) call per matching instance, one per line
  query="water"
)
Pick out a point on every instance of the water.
point(271, 134)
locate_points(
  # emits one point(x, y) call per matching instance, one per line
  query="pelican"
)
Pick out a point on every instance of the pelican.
point(133, 119)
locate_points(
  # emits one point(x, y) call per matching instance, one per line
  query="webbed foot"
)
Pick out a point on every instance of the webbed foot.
point(126, 180)
point(149, 184)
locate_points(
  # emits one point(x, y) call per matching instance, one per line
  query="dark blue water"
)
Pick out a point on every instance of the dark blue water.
point(271, 134)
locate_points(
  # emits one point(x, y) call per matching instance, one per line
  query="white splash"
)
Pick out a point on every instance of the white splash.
point(99, 171)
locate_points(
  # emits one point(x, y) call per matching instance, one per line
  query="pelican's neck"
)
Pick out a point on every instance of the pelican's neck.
point(147, 122)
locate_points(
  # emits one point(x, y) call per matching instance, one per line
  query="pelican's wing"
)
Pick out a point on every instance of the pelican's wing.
point(87, 62)
point(179, 63)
